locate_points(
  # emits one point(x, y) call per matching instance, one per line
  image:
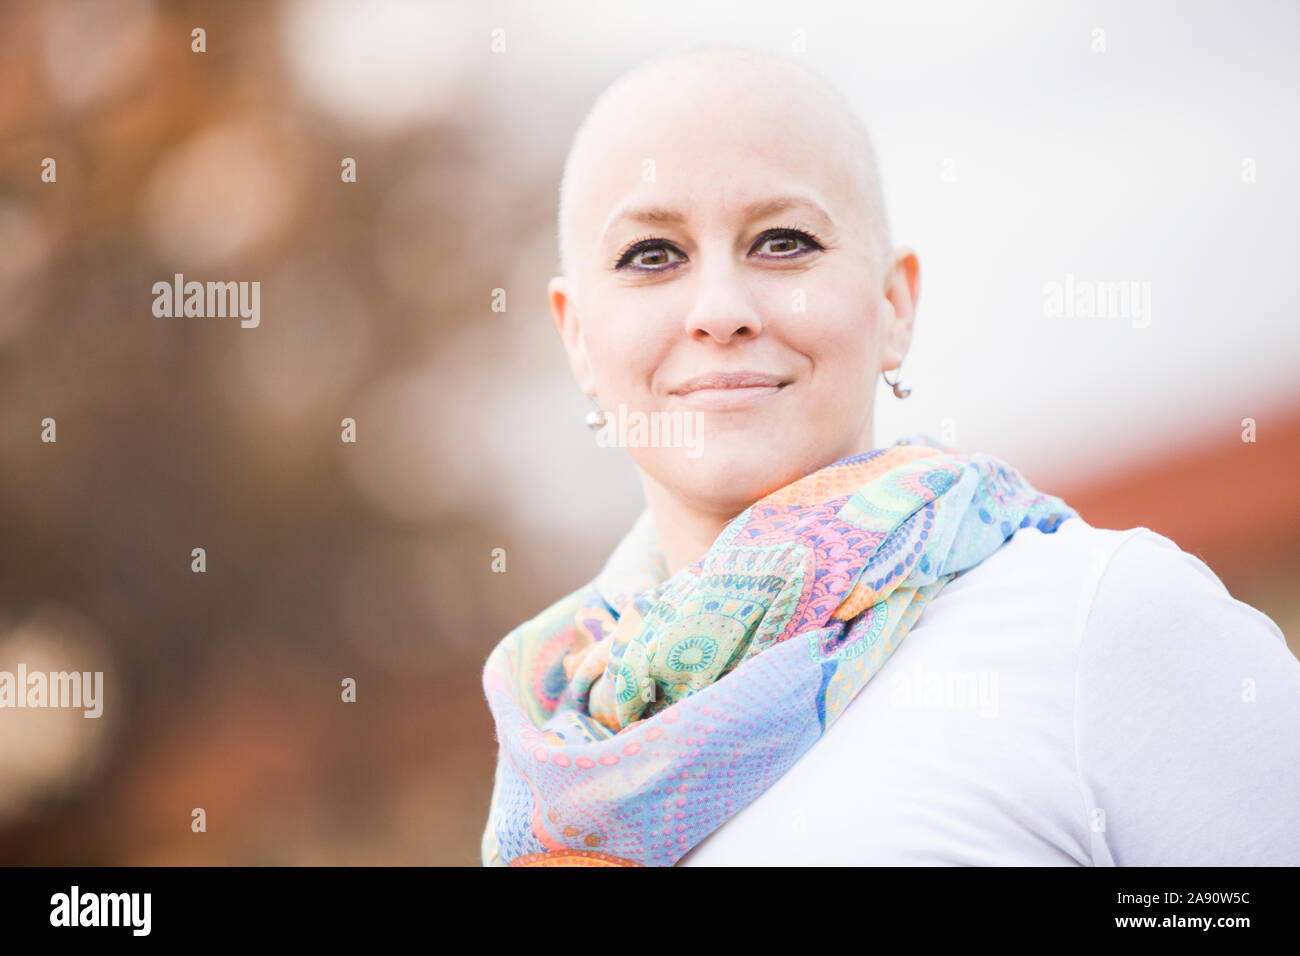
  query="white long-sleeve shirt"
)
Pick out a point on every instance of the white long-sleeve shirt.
point(1087, 697)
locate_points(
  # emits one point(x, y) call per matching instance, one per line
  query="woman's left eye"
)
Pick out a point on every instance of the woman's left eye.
point(784, 243)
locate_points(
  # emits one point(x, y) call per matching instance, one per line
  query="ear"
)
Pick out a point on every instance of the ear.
point(565, 314)
point(902, 287)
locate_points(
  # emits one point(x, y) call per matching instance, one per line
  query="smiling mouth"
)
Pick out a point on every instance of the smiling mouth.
point(728, 390)
point(719, 399)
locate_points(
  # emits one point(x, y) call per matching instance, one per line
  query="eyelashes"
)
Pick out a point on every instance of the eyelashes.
point(640, 244)
point(646, 243)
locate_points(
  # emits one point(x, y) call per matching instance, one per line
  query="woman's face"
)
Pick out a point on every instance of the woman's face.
point(729, 285)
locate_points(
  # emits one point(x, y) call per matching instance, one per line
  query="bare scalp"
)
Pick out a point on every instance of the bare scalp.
point(717, 75)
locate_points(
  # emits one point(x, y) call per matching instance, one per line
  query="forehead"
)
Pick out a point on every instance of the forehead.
point(709, 145)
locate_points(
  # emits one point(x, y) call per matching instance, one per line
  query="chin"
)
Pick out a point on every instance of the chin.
point(729, 476)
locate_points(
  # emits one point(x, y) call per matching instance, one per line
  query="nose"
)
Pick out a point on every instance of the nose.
point(723, 308)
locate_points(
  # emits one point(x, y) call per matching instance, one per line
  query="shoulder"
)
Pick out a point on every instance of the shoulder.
point(1153, 598)
point(1049, 579)
point(1100, 583)
point(1186, 708)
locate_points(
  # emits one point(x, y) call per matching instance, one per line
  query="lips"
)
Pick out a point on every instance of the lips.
point(718, 391)
point(728, 380)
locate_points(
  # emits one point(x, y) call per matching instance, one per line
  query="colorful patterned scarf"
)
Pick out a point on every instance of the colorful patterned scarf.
point(636, 715)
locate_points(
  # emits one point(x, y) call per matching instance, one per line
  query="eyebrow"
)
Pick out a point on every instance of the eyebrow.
point(659, 215)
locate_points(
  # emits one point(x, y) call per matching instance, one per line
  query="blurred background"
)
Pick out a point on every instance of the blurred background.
point(1019, 145)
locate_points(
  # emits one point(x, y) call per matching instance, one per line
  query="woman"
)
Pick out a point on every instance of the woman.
point(734, 687)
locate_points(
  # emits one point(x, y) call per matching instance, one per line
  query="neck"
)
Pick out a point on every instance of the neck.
point(685, 533)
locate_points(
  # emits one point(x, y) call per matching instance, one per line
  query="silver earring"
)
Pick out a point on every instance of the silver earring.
point(900, 390)
point(595, 417)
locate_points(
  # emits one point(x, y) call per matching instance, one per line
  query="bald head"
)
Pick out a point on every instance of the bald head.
point(716, 90)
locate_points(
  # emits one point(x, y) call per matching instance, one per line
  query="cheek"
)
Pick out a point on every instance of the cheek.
point(624, 349)
point(841, 341)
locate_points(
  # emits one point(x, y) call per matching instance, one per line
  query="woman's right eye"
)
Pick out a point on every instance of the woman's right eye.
point(647, 255)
